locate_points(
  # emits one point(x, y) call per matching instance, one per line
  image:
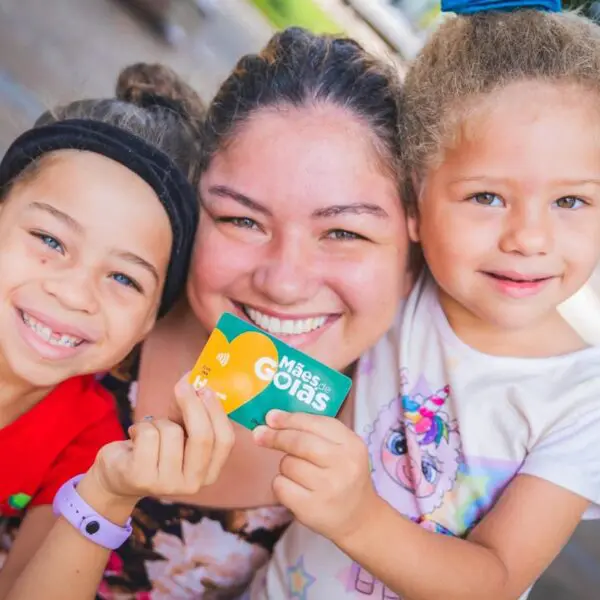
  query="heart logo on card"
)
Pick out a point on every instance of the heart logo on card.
point(230, 366)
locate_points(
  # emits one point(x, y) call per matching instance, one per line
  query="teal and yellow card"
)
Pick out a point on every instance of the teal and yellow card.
point(252, 372)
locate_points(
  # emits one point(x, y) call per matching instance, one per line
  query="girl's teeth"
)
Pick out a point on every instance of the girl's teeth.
point(54, 339)
point(284, 326)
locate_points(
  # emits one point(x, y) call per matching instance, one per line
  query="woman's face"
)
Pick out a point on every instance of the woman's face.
point(302, 233)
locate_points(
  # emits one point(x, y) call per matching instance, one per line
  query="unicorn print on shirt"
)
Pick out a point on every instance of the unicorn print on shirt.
point(415, 452)
point(415, 456)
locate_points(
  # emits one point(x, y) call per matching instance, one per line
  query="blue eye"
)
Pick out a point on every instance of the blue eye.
point(396, 443)
point(429, 470)
point(126, 281)
point(570, 202)
point(487, 199)
point(49, 241)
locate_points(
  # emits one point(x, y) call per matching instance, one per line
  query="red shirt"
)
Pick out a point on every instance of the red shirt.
point(54, 441)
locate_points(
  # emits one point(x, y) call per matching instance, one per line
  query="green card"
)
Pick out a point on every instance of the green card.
point(253, 372)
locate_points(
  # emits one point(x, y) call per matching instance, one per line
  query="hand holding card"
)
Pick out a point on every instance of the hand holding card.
point(252, 372)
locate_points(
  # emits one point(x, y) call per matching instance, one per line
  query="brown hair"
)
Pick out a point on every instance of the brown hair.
point(472, 56)
point(152, 102)
point(298, 68)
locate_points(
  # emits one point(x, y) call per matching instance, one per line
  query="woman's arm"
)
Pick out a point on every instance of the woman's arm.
point(502, 557)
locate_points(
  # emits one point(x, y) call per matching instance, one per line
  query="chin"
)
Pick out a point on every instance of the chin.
point(514, 320)
point(42, 375)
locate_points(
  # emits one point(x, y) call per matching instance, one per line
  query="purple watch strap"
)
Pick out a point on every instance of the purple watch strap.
point(86, 520)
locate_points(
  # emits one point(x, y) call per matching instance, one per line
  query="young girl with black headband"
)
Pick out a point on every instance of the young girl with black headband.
point(474, 450)
point(98, 213)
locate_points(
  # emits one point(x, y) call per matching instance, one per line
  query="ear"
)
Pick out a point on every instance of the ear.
point(413, 216)
point(413, 227)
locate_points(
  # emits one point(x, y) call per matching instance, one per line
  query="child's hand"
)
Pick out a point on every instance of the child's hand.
point(324, 478)
point(163, 458)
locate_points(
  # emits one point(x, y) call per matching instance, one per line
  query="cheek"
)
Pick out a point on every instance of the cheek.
point(580, 245)
point(372, 286)
point(124, 330)
point(451, 239)
point(219, 262)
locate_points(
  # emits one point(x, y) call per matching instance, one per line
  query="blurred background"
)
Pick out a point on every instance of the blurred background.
point(55, 51)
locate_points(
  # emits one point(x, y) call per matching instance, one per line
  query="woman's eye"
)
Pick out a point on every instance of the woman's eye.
point(487, 199)
point(126, 281)
point(241, 222)
point(49, 241)
point(343, 235)
point(570, 202)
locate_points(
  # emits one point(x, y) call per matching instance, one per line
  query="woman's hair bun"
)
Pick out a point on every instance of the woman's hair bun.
point(155, 85)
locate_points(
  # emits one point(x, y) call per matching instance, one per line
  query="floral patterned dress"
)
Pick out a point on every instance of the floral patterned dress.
point(178, 550)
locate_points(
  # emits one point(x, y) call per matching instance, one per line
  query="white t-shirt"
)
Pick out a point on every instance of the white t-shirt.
point(447, 429)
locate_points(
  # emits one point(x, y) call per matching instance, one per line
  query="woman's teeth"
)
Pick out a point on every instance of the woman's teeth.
point(284, 326)
point(53, 338)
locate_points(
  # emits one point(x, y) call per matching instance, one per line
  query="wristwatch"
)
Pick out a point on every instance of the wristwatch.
point(84, 518)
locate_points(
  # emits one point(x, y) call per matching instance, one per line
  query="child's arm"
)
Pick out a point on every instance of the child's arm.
point(325, 481)
point(500, 559)
point(34, 527)
point(161, 459)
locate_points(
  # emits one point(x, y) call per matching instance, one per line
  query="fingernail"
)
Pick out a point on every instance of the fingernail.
point(182, 386)
point(206, 394)
point(259, 432)
point(275, 415)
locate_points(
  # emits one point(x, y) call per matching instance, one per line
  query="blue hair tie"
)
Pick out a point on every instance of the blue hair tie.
point(470, 7)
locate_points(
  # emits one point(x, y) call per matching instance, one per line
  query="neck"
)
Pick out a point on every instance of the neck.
point(549, 336)
point(17, 396)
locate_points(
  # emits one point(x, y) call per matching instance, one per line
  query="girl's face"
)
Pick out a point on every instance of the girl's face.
point(302, 233)
point(84, 248)
point(510, 220)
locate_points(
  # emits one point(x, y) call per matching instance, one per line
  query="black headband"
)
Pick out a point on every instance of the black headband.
point(175, 192)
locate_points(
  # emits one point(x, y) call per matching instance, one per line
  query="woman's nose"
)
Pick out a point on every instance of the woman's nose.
point(288, 274)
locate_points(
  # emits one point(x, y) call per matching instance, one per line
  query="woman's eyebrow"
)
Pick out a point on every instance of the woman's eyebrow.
point(224, 192)
point(357, 208)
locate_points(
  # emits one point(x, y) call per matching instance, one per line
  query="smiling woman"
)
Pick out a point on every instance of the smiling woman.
point(301, 232)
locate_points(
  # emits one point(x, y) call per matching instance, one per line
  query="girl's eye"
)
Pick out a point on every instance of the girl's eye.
point(570, 202)
point(241, 222)
point(487, 199)
point(343, 236)
point(49, 241)
point(126, 281)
